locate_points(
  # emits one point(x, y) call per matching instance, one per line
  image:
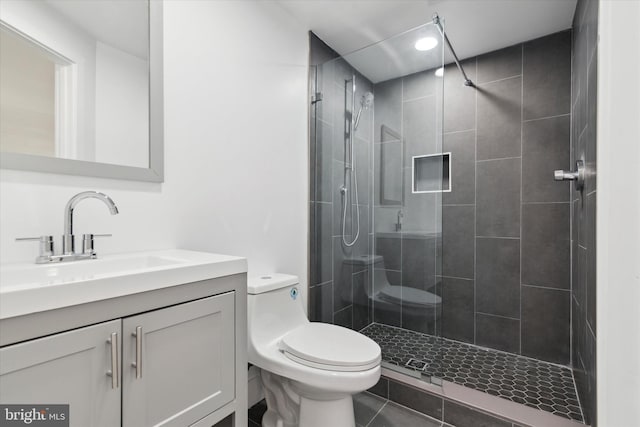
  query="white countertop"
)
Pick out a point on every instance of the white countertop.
point(27, 288)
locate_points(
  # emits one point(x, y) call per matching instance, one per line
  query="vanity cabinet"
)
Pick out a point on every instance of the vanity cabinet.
point(66, 368)
point(173, 366)
point(178, 363)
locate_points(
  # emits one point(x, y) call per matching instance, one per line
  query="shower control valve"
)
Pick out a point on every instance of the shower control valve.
point(577, 175)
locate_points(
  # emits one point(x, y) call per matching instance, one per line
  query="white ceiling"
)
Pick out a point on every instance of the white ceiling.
point(473, 26)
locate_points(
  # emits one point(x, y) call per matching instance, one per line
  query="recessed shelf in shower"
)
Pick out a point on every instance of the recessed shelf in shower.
point(431, 173)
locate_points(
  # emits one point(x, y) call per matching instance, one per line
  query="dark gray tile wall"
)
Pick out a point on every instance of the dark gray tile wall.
point(583, 236)
point(501, 333)
point(498, 198)
point(339, 289)
point(546, 337)
point(498, 277)
point(506, 222)
point(459, 310)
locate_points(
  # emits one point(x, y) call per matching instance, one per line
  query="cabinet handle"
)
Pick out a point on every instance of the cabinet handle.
point(138, 363)
point(114, 372)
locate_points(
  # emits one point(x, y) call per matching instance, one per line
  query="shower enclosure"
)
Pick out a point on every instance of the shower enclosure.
point(436, 227)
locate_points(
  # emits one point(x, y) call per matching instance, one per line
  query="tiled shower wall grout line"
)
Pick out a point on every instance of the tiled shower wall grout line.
point(496, 315)
point(545, 118)
point(418, 98)
point(453, 277)
point(321, 284)
point(546, 287)
point(475, 213)
point(458, 131)
point(546, 203)
point(377, 413)
point(402, 133)
point(521, 181)
point(498, 158)
point(497, 80)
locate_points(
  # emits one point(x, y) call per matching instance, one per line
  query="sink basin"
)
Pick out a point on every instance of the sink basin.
point(28, 288)
point(18, 277)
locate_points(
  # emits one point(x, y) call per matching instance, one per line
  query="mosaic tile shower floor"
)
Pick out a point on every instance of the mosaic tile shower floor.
point(530, 382)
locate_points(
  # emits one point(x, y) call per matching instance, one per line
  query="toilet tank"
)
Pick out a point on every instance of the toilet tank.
point(274, 307)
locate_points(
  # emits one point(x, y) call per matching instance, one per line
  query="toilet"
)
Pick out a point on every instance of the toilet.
point(309, 370)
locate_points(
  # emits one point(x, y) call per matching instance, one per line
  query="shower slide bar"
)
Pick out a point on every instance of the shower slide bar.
point(436, 21)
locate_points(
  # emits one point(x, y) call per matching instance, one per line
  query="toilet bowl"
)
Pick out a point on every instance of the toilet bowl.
point(309, 370)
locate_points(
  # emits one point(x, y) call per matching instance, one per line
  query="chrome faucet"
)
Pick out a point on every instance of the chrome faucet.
point(47, 254)
point(68, 239)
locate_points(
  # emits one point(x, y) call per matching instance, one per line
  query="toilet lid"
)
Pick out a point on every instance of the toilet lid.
point(409, 296)
point(331, 347)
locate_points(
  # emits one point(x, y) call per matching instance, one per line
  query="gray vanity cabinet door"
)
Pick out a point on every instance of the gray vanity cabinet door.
point(67, 368)
point(184, 361)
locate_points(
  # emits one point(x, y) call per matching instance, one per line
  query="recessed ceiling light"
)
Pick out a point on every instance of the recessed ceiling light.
point(426, 43)
point(439, 72)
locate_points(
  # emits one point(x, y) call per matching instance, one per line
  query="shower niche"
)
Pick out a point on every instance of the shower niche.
point(431, 173)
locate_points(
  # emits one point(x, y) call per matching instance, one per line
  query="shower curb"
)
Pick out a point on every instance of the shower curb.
point(484, 402)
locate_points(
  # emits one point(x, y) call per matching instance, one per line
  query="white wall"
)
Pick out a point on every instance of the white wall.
point(618, 215)
point(235, 144)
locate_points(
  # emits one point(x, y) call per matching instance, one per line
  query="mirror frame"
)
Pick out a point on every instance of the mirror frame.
point(155, 171)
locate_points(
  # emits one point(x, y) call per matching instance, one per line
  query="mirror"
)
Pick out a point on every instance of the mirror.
point(81, 87)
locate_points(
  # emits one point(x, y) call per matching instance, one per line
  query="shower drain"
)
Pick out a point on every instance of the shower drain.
point(420, 365)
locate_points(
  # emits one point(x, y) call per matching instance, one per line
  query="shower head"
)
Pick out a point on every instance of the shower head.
point(365, 103)
point(367, 100)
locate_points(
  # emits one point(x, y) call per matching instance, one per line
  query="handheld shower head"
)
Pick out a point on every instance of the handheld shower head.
point(367, 100)
point(365, 103)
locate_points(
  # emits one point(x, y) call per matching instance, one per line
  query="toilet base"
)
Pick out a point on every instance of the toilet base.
point(323, 413)
point(295, 405)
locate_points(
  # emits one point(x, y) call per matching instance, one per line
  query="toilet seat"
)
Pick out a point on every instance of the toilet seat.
point(409, 296)
point(330, 347)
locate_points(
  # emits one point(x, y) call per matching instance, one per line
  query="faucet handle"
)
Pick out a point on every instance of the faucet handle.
point(87, 243)
point(46, 244)
point(40, 238)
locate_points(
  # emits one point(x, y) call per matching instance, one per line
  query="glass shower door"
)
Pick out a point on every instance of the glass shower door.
point(409, 173)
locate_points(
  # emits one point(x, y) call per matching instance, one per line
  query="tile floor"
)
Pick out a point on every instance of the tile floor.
point(530, 382)
point(370, 411)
